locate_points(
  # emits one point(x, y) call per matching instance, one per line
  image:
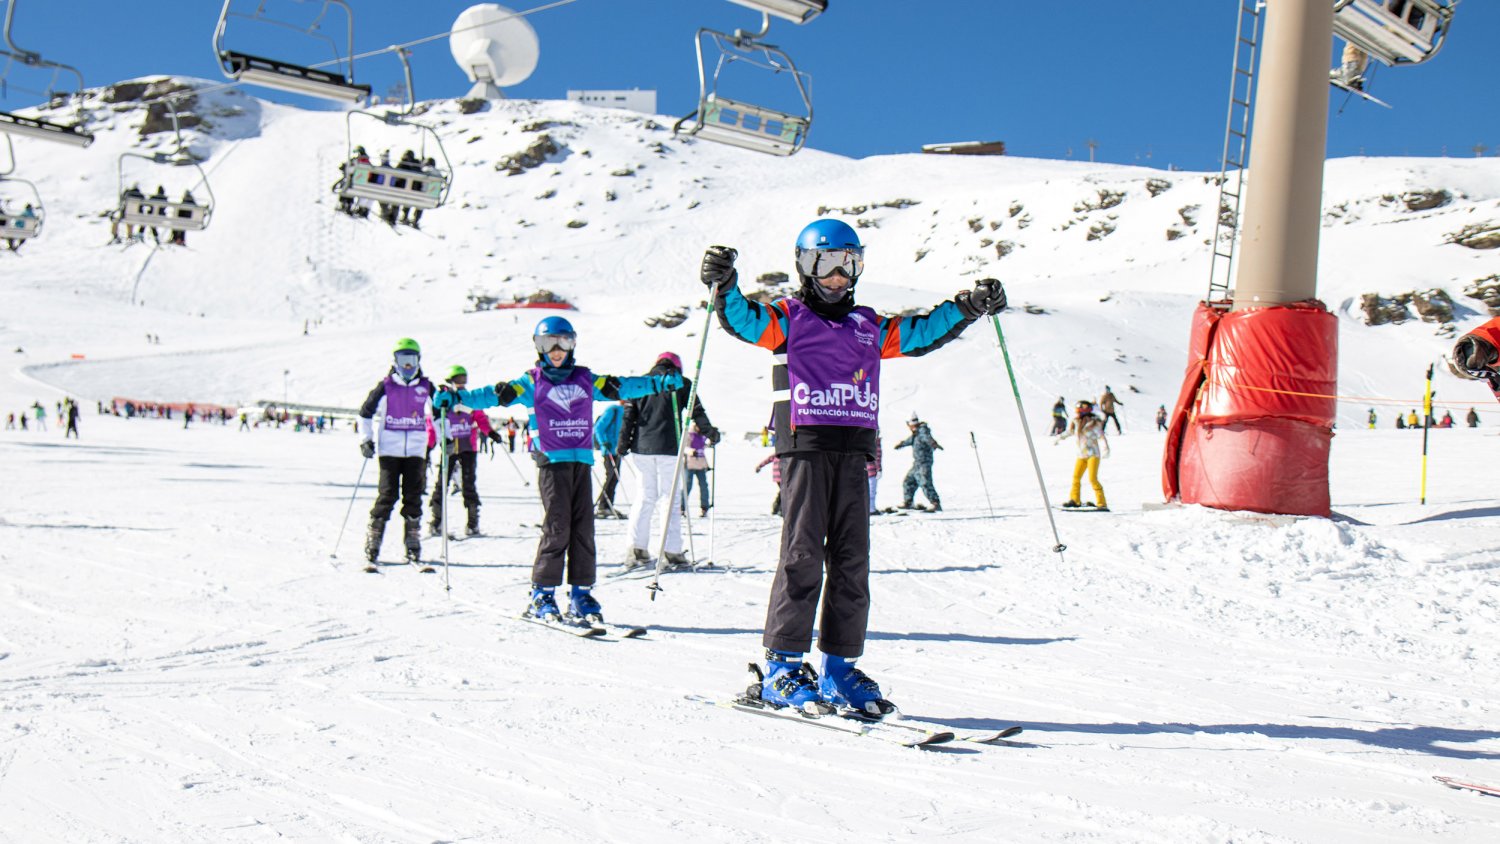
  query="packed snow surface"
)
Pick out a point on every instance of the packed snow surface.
point(182, 658)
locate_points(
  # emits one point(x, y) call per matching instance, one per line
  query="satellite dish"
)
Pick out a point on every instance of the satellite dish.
point(495, 47)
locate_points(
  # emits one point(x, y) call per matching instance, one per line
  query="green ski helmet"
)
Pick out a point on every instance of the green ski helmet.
point(406, 344)
point(456, 371)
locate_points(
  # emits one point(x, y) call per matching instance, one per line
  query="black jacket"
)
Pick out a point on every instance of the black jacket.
point(649, 426)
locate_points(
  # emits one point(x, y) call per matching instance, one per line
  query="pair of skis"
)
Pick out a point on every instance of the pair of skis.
point(422, 567)
point(900, 731)
point(588, 629)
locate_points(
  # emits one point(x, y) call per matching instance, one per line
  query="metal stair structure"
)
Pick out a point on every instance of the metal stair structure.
point(1236, 148)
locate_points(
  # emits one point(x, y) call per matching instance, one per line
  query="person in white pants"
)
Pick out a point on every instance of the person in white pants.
point(649, 434)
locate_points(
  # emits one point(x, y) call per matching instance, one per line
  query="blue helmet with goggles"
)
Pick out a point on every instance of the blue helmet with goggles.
point(826, 248)
point(554, 333)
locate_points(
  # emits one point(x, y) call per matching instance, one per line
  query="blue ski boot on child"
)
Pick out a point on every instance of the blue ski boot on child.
point(846, 687)
point(582, 606)
point(543, 606)
point(786, 684)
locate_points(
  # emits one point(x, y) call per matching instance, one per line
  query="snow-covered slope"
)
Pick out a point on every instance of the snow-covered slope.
point(180, 660)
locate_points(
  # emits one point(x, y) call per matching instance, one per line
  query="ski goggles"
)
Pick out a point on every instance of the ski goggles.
point(822, 263)
point(408, 361)
point(547, 342)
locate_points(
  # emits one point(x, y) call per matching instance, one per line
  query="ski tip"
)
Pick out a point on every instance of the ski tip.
point(932, 739)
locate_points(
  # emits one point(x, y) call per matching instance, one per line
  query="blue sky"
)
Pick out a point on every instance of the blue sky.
point(1147, 80)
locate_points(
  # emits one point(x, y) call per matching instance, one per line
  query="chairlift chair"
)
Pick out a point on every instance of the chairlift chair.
point(285, 76)
point(31, 127)
point(15, 224)
point(1394, 32)
point(737, 122)
point(162, 212)
point(390, 184)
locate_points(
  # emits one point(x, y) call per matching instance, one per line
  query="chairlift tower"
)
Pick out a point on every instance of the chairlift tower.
point(1253, 422)
point(735, 121)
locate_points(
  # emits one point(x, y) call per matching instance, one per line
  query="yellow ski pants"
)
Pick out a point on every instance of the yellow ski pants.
point(1092, 465)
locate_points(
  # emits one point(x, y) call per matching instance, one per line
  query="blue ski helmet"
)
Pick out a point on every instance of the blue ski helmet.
point(553, 325)
point(554, 332)
point(828, 234)
point(824, 248)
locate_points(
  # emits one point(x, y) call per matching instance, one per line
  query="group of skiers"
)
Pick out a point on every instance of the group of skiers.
point(390, 213)
point(1411, 420)
point(148, 205)
point(67, 415)
point(826, 377)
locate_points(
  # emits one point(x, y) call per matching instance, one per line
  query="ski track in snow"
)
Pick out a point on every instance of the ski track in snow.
point(181, 659)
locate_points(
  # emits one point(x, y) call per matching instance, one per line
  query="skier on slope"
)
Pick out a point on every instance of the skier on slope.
point(827, 378)
point(465, 428)
point(1476, 355)
point(923, 448)
point(1059, 416)
point(562, 395)
point(401, 400)
point(1088, 430)
point(650, 432)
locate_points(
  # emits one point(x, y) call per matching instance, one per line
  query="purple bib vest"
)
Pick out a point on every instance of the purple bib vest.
point(564, 412)
point(833, 368)
point(461, 426)
point(406, 404)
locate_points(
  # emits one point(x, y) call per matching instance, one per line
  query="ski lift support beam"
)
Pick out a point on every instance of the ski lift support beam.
point(30, 127)
point(796, 11)
point(1394, 32)
point(285, 76)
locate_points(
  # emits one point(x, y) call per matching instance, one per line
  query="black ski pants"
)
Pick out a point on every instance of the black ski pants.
point(825, 528)
point(611, 480)
point(463, 465)
point(403, 476)
point(567, 491)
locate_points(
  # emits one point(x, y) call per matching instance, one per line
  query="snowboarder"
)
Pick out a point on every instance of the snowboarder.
point(650, 434)
point(827, 378)
point(923, 448)
point(465, 428)
point(1093, 445)
point(562, 395)
point(1107, 404)
point(607, 440)
point(402, 398)
point(1059, 416)
point(1161, 418)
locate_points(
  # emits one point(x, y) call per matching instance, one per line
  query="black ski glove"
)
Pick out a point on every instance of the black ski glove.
point(494, 437)
point(986, 299)
point(367, 448)
point(711, 434)
point(718, 267)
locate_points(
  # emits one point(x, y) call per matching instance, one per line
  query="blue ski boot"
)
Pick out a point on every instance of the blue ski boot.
point(543, 604)
point(847, 687)
point(583, 606)
point(786, 684)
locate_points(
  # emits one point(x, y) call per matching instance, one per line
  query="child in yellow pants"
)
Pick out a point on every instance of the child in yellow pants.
point(1088, 430)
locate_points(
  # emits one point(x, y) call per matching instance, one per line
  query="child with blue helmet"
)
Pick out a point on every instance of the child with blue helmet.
point(561, 395)
point(826, 384)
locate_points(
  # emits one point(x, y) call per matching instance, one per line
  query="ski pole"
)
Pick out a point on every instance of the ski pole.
point(1059, 547)
point(655, 585)
point(1426, 426)
point(713, 496)
point(443, 467)
point(982, 481)
point(335, 553)
point(519, 473)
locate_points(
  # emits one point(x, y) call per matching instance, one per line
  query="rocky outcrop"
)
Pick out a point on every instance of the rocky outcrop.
point(1156, 187)
point(1434, 306)
point(1106, 199)
point(1425, 200)
point(1477, 236)
point(1486, 290)
point(534, 155)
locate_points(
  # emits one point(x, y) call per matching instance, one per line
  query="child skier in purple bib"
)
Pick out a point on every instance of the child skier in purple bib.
point(826, 383)
point(561, 394)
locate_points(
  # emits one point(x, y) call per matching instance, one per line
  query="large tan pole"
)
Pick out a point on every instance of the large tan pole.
point(1283, 207)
